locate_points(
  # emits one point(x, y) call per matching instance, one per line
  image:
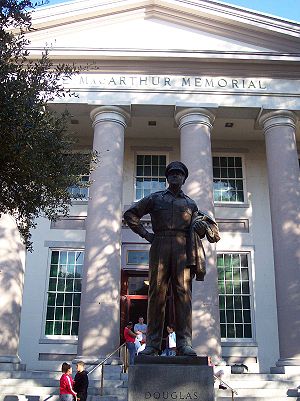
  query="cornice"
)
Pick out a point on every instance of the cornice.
point(212, 16)
point(246, 57)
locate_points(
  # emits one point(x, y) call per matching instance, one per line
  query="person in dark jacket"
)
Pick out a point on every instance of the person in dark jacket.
point(81, 381)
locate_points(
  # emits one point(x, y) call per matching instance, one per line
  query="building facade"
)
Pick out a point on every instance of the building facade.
point(212, 85)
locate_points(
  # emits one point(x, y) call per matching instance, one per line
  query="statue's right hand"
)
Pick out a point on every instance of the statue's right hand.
point(149, 237)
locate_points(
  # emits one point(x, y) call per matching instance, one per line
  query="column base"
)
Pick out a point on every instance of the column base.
point(288, 366)
point(11, 363)
point(288, 362)
point(10, 359)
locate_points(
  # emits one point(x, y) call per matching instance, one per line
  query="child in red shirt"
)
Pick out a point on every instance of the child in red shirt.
point(66, 392)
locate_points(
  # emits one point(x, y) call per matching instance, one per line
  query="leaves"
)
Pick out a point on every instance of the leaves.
point(37, 159)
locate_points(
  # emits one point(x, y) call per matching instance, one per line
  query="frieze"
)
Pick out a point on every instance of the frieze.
point(152, 82)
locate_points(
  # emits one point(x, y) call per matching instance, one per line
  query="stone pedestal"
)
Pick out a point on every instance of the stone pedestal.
point(170, 378)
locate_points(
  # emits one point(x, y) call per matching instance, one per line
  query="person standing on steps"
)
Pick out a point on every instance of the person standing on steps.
point(130, 336)
point(141, 327)
point(176, 255)
point(66, 391)
point(81, 381)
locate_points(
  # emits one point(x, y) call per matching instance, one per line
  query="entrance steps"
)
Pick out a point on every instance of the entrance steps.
point(44, 386)
point(260, 387)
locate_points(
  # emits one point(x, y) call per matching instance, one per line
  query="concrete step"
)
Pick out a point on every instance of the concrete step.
point(269, 384)
point(261, 392)
point(40, 391)
point(109, 374)
point(8, 366)
point(55, 397)
point(249, 398)
point(258, 376)
point(46, 382)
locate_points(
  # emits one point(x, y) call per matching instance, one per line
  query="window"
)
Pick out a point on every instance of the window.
point(76, 190)
point(64, 292)
point(138, 285)
point(228, 179)
point(234, 295)
point(138, 257)
point(150, 174)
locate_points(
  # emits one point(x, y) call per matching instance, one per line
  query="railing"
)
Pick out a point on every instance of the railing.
point(121, 348)
point(233, 391)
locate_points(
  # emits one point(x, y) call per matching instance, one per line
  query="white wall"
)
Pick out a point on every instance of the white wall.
point(258, 242)
point(35, 290)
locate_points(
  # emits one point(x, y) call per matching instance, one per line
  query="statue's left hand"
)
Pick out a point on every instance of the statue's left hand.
point(200, 227)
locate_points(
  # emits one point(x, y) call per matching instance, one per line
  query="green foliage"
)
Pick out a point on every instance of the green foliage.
point(37, 161)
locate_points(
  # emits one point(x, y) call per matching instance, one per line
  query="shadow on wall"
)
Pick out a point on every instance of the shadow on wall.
point(11, 285)
point(101, 286)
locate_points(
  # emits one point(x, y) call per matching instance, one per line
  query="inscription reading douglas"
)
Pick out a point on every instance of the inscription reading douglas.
point(171, 395)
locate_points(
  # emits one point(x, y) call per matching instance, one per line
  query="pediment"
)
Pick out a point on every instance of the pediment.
point(164, 25)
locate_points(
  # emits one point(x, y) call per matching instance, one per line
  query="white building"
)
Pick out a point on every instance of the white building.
point(215, 86)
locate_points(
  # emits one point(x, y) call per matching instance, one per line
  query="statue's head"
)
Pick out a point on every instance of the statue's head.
point(178, 166)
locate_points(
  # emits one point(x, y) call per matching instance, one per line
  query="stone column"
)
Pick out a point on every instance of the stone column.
point(99, 326)
point(195, 128)
point(12, 267)
point(284, 188)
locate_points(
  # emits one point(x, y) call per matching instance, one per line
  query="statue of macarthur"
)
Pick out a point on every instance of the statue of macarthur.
point(176, 255)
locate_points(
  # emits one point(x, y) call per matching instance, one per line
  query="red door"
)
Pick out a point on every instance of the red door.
point(134, 300)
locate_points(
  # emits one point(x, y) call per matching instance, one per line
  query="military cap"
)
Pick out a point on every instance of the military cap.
point(177, 166)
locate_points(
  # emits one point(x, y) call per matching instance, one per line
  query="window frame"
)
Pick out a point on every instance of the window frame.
point(85, 198)
point(56, 337)
point(250, 256)
point(134, 247)
point(135, 264)
point(244, 179)
point(147, 153)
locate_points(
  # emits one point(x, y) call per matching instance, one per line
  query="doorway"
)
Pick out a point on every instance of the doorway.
point(134, 300)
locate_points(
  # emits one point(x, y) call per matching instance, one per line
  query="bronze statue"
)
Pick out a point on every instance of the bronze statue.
point(176, 255)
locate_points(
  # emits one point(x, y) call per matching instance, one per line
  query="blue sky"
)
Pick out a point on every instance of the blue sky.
point(289, 9)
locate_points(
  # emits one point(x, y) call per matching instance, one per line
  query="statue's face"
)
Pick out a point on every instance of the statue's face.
point(176, 177)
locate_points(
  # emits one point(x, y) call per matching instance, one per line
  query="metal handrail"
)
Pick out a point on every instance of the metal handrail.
point(124, 366)
point(233, 391)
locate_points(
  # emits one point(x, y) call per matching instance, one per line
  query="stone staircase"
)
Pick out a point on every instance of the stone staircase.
point(22, 385)
point(261, 387)
point(18, 385)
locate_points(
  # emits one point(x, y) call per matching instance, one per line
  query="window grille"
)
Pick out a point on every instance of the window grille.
point(228, 179)
point(234, 295)
point(150, 174)
point(64, 293)
point(76, 190)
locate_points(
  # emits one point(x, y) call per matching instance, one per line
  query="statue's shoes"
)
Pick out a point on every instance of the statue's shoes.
point(186, 350)
point(151, 351)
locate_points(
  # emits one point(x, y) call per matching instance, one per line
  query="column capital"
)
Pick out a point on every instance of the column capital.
point(278, 118)
point(110, 113)
point(194, 116)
